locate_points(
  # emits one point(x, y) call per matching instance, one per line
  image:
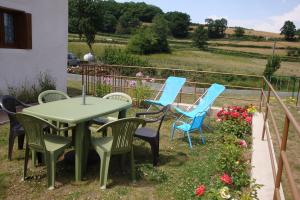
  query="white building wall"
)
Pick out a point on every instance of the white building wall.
point(49, 45)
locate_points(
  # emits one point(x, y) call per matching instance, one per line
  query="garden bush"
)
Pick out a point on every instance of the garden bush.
point(236, 120)
point(104, 88)
point(29, 93)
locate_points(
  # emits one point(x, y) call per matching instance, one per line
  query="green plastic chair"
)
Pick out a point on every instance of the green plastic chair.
point(40, 141)
point(51, 95)
point(116, 96)
point(118, 142)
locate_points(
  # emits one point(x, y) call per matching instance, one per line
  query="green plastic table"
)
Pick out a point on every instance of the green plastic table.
point(72, 111)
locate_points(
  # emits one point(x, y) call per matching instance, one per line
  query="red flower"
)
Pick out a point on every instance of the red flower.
point(200, 190)
point(245, 114)
point(248, 119)
point(235, 114)
point(226, 179)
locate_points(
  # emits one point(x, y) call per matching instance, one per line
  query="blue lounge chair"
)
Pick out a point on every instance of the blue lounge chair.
point(205, 103)
point(197, 115)
point(171, 88)
point(187, 128)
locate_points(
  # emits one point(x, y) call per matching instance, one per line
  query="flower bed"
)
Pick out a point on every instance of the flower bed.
point(232, 176)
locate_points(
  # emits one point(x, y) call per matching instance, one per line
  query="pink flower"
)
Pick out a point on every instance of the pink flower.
point(132, 83)
point(200, 190)
point(219, 120)
point(243, 143)
point(225, 178)
point(139, 74)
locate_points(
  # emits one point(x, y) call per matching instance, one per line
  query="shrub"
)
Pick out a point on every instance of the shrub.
point(29, 93)
point(239, 32)
point(104, 88)
point(236, 120)
point(117, 56)
point(150, 39)
point(272, 66)
point(200, 37)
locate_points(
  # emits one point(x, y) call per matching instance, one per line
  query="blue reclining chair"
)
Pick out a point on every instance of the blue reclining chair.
point(171, 88)
point(194, 125)
point(197, 115)
point(205, 103)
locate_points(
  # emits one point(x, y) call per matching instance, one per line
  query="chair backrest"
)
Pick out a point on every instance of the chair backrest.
point(9, 103)
point(209, 98)
point(198, 121)
point(51, 95)
point(122, 132)
point(118, 96)
point(171, 89)
point(34, 130)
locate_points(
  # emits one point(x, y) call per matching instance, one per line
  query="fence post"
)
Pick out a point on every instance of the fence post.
point(298, 92)
point(266, 113)
point(261, 94)
point(282, 148)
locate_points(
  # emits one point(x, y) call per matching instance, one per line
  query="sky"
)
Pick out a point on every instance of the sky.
point(263, 15)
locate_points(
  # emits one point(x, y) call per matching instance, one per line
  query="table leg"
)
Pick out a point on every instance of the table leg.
point(81, 150)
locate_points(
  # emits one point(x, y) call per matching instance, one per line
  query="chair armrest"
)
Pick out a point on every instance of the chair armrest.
point(23, 104)
point(164, 109)
point(8, 112)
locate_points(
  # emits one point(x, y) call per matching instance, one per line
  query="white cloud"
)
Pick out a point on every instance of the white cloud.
point(271, 24)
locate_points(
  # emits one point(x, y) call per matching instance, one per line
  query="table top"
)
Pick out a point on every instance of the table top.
point(72, 111)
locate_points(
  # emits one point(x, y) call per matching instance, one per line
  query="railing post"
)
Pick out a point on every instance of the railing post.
point(266, 113)
point(261, 94)
point(282, 148)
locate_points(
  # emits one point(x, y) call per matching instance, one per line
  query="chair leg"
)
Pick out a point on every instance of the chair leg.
point(104, 166)
point(172, 132)
point(155, 151)
point(133, 175)
point(51, 169)
point(11, 141)
point(189, 138)
point(21, 141)
point(33, 158)
point(202, 136)
point(26, 162)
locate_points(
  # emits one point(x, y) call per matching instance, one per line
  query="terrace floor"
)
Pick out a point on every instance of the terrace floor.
point(180, 171)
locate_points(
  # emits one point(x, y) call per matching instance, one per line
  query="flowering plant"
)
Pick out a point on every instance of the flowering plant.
point(225, 178)
point(140, 90)
point(235, 120)
point(200, 190)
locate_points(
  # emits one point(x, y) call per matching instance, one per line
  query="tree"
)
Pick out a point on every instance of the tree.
point(298, 33)
point(200, 37)
point(89, 21)
point(127, 23)
point(178, 23)
point(216, 28)
point(151, 39)
point(109, 23)
point(239, 32)
point(272, 66)
point(288, 30)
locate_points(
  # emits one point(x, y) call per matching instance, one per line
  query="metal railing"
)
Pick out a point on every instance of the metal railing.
point(281, 139)
point(120, 77)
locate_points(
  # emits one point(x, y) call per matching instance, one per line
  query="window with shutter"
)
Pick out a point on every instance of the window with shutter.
point(15, 29)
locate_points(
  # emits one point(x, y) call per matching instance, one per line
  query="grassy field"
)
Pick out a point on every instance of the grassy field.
point(184, 55)
point(191, 58)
